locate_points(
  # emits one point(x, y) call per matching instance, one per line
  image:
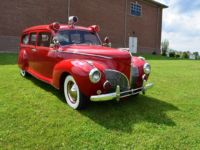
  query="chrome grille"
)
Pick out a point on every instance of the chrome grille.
point(134, 76)
point(117, 78)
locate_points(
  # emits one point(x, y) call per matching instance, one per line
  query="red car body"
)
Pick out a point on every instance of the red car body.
point(52, 63)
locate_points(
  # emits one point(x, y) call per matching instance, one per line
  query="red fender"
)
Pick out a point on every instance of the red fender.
point(23, 60)
point(80, 70)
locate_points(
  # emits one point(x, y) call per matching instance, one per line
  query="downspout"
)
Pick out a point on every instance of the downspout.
point(68, 9)
point(125, 24)
point(160, 31)
point(157, 34)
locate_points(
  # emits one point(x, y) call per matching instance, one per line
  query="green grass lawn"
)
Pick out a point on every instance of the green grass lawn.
point(34, 115)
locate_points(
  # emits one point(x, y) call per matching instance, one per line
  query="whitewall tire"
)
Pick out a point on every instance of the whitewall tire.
point(23, 73)
point(74, 98)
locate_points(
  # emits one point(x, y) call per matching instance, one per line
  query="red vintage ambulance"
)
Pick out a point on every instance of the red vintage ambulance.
point(73, 59)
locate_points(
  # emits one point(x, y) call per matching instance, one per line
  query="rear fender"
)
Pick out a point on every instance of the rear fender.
point(23, 60)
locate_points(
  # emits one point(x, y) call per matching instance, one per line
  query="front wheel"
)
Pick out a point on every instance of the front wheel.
point(73, 95)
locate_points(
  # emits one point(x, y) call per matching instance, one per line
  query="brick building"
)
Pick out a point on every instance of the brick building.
point(118, 19)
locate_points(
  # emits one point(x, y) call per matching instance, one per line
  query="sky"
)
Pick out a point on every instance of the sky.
point(181, 24)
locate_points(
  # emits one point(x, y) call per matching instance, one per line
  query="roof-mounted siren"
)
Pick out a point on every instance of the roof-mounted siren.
point(73, 20)
point(55, 26)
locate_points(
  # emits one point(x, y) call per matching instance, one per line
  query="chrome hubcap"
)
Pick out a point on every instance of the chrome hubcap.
point(72, 91)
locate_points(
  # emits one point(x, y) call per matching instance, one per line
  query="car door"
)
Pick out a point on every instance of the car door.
point(31, 49)
point(46, 61)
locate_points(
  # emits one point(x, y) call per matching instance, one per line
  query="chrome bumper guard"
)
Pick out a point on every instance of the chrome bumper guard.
point(117, 94)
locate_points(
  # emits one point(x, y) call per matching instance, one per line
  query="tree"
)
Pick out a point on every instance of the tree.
point(164, 47)
point(196, 54)
point(185, 55)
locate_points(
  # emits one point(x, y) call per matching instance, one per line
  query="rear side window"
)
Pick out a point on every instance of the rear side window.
point(44, 39)
point(32, 39)
point(25, 39)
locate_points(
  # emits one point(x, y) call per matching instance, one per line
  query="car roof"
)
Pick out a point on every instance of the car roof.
point(46, 27)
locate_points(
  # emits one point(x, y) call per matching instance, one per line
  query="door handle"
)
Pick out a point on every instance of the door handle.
point(33, 50)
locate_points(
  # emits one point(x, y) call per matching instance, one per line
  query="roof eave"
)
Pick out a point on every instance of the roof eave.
point(157, 3)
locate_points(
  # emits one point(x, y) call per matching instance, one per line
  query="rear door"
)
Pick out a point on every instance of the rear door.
point(46, 61)
point(32, 51)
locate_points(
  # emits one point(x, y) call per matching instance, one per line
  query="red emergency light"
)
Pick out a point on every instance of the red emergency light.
point(55, 26)
point(94, 28)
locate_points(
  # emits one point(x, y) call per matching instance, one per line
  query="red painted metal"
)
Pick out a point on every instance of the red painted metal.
point(49, 64)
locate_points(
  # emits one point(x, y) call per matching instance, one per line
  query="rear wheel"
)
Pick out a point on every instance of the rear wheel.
point(73, 95)
point(23, 73)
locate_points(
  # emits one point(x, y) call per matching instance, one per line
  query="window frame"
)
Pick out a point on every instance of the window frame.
point(50, 38)
point(22, 38)
point(36, 34)
point(136, 3)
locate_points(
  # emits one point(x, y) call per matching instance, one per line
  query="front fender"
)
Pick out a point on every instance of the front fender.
point(79, 69)
point(139, 63)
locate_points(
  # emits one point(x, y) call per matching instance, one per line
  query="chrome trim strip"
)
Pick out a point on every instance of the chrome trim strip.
point(85, 54)
point(90, 55)
point(130, 95)
point(132, 90)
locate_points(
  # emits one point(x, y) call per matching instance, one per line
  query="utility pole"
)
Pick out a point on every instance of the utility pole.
point(125, 24)
point(68, 8)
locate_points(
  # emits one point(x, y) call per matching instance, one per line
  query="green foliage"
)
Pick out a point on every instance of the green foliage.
point(177, 55)
point(196, 54)
point(154, 53)
point(185, 55)
point(33, 115)
point(172, 54)
point(164, 47)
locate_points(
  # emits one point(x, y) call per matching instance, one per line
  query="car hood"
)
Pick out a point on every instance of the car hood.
point(103, 57)
point(99, 51)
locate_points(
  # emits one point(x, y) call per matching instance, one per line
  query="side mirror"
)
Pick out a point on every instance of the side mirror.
point(106, 42)
point(55, 44)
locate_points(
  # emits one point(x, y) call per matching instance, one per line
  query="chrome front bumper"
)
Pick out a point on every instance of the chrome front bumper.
point(117, 94)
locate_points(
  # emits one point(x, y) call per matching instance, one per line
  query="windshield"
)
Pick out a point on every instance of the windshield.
point(67, 37)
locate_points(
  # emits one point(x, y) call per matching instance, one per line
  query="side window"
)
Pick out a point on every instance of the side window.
point(25, 39)
point(32, 39)
point(91, 37)
point(44, 39)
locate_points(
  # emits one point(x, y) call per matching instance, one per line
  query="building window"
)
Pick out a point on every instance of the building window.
point(136, 9)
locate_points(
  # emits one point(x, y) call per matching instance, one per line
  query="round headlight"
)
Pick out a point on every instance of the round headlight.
point(147, 68)
point(95, 75)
